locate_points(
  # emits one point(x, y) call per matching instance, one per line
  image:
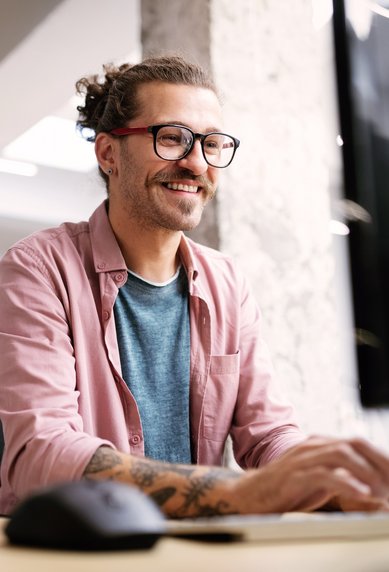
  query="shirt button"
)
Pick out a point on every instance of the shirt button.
point(135, 440)
point(119, 277)
point(105, 315)
point(101, 265)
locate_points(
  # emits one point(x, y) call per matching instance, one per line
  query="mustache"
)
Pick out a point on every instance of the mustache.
point(168, 177)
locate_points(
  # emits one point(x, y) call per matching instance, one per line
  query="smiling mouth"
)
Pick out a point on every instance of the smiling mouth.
point(181, 187)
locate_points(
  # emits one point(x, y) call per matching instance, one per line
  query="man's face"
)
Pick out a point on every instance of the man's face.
point(160, 194)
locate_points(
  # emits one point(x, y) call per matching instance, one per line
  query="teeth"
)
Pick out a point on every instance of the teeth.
point(179, 187)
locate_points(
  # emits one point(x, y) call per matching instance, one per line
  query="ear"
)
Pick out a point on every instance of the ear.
point(106, 151)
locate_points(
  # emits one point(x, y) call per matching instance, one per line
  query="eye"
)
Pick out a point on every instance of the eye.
point(213, 144)
point(174, 136)
point(170, 139)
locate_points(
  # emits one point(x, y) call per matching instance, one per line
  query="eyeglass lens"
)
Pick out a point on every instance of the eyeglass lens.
point(174, 142)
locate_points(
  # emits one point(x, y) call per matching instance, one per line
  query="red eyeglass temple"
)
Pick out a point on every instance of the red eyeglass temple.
point(128, 130)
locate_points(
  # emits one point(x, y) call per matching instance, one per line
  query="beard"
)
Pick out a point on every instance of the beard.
point(146, 204)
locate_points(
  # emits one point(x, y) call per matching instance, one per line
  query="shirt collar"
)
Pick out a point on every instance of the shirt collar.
point(107, 255)
point(188, 260)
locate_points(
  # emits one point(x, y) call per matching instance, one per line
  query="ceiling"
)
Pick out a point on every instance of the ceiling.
point(19, 18)
point(45, 47)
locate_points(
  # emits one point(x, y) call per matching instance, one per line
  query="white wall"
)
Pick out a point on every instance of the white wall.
point(275, 63)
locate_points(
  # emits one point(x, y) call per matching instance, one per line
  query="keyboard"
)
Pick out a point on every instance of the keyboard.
point(286, 527)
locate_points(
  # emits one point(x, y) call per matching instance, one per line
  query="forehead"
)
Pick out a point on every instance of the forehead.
point(195, 107)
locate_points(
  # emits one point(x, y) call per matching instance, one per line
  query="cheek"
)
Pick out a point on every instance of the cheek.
point(214, 177)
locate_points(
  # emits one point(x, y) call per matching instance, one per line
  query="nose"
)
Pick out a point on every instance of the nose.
point(195, 161)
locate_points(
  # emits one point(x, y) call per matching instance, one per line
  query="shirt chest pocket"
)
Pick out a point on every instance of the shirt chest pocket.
point(220, 396)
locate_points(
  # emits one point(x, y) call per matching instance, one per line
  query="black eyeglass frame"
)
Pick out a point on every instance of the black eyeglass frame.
point(153, 129)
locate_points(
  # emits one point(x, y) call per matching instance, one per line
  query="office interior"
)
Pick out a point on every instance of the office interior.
point(278, 209)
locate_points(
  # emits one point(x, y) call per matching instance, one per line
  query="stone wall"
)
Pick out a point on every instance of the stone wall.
point(183, 27)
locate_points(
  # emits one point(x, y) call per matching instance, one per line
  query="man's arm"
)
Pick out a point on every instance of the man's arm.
point(305, 478)
point(180, 490)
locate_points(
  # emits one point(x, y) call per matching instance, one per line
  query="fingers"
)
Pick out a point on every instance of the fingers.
point(348, 504)
point(379, 462)
point(377, 458)
point(312, 489)
point(354, 486)
point(319, 485)
point(359, 458)
point(284, 485)
point(317, 471)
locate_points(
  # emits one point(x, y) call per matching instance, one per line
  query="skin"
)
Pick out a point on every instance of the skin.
point(147, 219)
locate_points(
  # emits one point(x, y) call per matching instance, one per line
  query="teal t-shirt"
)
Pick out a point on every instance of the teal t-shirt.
point(152, 325)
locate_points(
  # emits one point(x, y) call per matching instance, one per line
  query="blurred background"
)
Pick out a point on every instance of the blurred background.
point(280, 206)
point(47, 171)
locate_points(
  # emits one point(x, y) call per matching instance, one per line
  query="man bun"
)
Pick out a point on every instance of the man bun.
point(96, 89)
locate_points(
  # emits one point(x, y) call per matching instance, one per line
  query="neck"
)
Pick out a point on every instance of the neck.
point(150, 253)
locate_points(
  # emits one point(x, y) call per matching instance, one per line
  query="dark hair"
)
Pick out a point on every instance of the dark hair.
point(111, 99)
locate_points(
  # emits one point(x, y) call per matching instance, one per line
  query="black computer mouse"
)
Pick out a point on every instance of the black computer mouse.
point(87, 515)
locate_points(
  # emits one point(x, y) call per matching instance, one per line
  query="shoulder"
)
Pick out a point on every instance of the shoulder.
point(205, 255)
point(49, 247)
point(217, 268)
point(51, 238)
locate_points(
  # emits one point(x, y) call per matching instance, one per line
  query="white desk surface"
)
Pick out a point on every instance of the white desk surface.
point(178, 555)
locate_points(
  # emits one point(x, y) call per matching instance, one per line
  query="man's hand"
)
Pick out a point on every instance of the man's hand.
point(347, 474)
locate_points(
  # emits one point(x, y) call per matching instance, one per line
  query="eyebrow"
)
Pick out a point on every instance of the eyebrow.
point(181, 124)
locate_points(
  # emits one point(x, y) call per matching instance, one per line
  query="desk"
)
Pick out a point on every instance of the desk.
point(177, 555)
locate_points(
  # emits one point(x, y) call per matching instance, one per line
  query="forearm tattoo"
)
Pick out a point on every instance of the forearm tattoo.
point(145, 473)
point(196, 490)
point(191, 494)
point(161, 496)
point(104, 459)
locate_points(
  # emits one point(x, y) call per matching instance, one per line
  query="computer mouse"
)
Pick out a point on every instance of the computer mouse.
point(87, 515)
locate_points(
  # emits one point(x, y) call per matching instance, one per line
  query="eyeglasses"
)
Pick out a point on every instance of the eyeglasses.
point(174, 142)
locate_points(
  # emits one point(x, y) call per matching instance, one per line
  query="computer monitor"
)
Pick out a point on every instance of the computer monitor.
point(361, 39)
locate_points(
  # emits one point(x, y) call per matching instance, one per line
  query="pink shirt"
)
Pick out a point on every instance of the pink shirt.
point(61, 390)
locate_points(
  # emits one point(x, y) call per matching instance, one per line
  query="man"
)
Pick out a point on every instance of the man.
point(129, 352)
